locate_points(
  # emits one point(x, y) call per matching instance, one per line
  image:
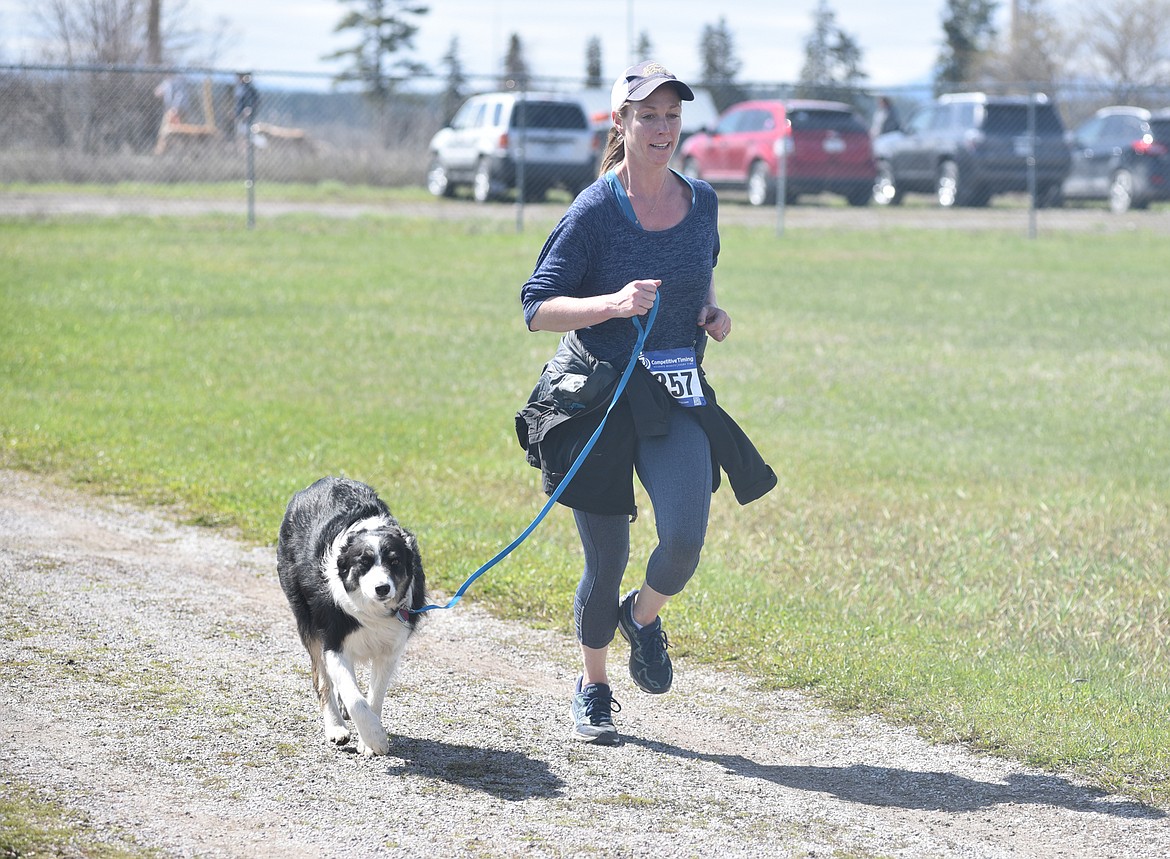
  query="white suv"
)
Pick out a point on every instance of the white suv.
point(497, 139)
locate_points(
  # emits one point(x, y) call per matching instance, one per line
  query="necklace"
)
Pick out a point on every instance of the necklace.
point(657, 199)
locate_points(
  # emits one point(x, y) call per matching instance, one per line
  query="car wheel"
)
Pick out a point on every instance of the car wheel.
point(977, 198)
point(947, 186)
point(859, 197)
point(760, 189)
point(1121, 192)
point(535, 192)
point(1050, 197)
point(438, 183)
point(691, 168)
point(885, 192)
point(481, 184)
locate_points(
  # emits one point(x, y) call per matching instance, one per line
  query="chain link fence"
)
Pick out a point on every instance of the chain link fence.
point(81, 132)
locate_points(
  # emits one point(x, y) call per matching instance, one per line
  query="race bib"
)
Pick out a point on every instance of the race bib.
point(678, 371)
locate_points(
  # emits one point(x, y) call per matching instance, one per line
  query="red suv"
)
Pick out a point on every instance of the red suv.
point(825, 145)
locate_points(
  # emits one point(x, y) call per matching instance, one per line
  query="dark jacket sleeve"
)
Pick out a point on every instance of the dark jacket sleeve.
point(565, 408)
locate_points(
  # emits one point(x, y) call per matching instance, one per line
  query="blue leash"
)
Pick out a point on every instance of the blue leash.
point(643, 332)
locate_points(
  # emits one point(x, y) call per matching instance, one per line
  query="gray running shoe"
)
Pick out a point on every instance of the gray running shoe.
point(592, 711)
point(649, 663)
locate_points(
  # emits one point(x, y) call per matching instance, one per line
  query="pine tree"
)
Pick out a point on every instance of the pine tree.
point(454, 80)
point(720, 65)
point(593, 63)
point(384, 29)
point(832, 59)
point(515, 66)
point(970, 34)
point(644, 49)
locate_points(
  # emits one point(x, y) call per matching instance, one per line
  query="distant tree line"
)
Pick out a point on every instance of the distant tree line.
point(1125, 43)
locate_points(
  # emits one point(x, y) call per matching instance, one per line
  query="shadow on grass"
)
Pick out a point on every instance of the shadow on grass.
point(920, 791)
point(503, 774)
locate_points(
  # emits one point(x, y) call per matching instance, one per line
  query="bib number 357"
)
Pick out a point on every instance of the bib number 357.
point(678, 372)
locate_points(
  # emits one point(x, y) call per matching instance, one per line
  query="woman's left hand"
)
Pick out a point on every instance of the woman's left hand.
point(715, 321)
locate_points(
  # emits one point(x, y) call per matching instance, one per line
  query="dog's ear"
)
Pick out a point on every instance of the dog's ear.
point(348, 559)
point(419, 596)
point(415, 555)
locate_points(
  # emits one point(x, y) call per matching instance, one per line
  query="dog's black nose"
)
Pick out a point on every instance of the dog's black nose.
point(382, 591)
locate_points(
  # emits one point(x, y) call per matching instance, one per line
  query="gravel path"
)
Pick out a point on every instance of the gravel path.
point(153, 680)
point(733, 210)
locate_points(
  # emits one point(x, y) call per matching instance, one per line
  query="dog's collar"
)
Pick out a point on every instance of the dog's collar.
point(403, 614)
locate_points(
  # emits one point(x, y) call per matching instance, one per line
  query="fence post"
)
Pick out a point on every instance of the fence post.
point(1032, 96)
point(520, 122)
point(780, 148)
point(250, 180)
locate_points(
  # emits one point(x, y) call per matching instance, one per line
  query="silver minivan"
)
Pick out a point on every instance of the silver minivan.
point(496, 141)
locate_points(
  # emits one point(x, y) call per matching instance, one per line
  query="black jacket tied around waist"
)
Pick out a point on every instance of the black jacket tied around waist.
point(570, 400)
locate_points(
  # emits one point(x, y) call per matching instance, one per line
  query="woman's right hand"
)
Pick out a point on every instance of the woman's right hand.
point(569, 313)
point(635, 298)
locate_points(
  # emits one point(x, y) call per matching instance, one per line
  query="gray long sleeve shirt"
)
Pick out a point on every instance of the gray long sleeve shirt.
point(596, 250)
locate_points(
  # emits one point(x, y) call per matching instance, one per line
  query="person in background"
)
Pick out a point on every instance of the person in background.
point(641, 231)
point(247, 101)
point(173, 92)
point(885, 118)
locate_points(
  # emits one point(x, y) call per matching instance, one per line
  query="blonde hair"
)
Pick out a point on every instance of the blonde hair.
point(615, 151)
point(615, 147)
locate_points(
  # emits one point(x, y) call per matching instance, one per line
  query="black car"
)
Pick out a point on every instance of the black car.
point(1121, 155)
point(965, 147)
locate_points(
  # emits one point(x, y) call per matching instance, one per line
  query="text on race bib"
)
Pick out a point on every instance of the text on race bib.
point(678, 371)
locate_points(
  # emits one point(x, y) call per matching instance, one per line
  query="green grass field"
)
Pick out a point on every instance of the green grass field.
point(971, 533)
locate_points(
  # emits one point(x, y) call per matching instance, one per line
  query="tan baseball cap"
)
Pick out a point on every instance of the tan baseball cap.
point(638, 81)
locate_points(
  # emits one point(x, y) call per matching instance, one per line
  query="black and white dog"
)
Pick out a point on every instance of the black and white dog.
point(352, 576)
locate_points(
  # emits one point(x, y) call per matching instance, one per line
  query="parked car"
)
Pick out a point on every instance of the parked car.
point(495, 137)
point(1121, 155)
point(826, 148)
point(966, 147)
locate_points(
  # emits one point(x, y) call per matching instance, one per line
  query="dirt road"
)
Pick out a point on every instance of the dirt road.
point(153, 681)
point(1012, 216)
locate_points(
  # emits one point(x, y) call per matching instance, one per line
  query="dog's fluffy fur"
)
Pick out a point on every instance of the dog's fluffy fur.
point(352, 576)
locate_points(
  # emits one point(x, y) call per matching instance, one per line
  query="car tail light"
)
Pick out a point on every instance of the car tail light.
point(503, 142)
point(1148, 146)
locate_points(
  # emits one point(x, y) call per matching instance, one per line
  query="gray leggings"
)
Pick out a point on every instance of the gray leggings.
point(675, 469)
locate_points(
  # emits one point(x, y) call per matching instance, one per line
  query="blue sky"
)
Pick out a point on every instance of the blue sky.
point(900, 40)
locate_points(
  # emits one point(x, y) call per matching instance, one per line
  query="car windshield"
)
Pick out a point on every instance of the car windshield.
point(1013, 119)
point(823, 120)
point(547, 114)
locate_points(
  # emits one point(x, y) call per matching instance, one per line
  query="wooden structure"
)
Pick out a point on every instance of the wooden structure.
point(173, 126)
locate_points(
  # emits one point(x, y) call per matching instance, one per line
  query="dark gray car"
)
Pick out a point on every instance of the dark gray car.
point(1121, 155)
point(966, 147)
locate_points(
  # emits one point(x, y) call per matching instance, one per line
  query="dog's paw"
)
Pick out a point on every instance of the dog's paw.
point(377, 745)
point(336, 734)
